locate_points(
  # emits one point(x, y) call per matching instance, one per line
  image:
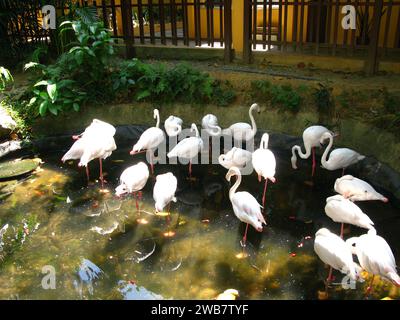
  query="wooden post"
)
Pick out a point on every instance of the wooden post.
point(371, 64)
point(246, 32)
point(227, 31)
point(127, 27)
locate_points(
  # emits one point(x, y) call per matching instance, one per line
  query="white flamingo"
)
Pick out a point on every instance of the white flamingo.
point(132, 180)
point(188, 148)
point(245, 206)
point(236, 157)
point(93, 144)
point(244, 131)
point(210, 124)
point(311, 139)
point(150, 140)
point(339, 158)
point(164, 190)
point(342, 210)
point(375, 256)
point(97, 126)
point(357, 190)
point(333, 251)
point(264, 163)
point(173, 126)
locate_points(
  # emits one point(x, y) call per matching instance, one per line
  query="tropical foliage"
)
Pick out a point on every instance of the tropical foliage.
point(5, 78)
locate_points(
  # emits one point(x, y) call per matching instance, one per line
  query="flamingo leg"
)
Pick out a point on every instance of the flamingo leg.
point(342, 172)
point(209, 149)
point(369, 289)
point(341, 230)
point(245, 236)
point(265, 191)
point(190, 170)
point(313, 162)
point(87, 173)
point(169, 214)
point(151, 164)
point(136, 201)
point(101, 173)
point(329, 279)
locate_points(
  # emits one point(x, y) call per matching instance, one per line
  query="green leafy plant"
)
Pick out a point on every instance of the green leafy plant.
point(126, 75)
point(261, 89)
point(223, 93)
point(323, 97)
point(181, 82)
point(5, 78)
point(286, 97)
point(56, 97)
point(391, 102)
point(77, 74)
point(344, 99)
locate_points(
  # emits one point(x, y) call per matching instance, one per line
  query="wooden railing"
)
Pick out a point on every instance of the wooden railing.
point(306, 26)
point(169, 22)
point(315, 26)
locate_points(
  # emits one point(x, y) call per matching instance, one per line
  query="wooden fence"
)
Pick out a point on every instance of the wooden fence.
point(315, 26)
point(169, 22)
point(307, 26)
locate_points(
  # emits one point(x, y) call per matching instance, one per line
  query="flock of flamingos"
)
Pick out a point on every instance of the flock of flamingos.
point(373, 252)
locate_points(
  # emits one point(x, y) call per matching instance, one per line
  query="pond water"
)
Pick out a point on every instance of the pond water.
point(100, 249)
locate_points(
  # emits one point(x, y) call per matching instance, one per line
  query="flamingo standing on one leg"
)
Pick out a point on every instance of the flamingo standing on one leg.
point(132, 180)
point(243, 131)
point(210, 124)
point(311, 139)
point(357, 190)
point(245, 206)
point(344, 211)
point(97, 126)
point(339, 158)
point(150, 139)
point(173, 126)
point(164, 191)
point(236, 157)
point(333, 251)
point(188, 148)
point(92, 144)
point(375, 256)
point(264, 163)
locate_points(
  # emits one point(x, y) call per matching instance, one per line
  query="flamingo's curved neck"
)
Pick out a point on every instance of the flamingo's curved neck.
point(214, 130)
point(264, 141)
point(300, 152)
point(236, 185)
point(253, 122)
point(197, 131)
point(157, 116)
point(324, 162)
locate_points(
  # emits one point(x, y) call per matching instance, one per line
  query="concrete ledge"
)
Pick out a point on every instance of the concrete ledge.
point(175, 53)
